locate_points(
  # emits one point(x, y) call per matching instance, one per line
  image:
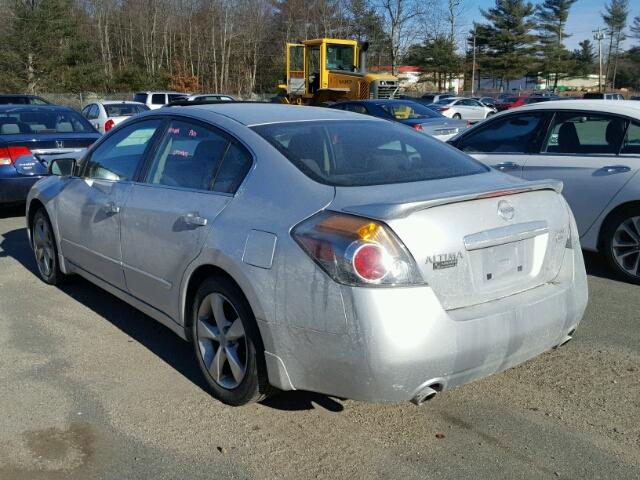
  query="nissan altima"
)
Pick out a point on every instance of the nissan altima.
point(315, 249)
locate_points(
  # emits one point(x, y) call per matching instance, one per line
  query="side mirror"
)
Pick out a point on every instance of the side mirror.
point(62, 167)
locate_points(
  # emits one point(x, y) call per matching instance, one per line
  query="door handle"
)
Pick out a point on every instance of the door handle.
point(506, 166)
point(194, 219)
point(111, 208)
point(615, 169)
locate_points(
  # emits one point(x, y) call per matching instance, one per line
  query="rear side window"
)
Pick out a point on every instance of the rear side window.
point(632, 139)
point(117, 158)
point(360, 153)
point(407, 111)
point(176, 96)
point(508, 134)
point(585, 133)
point(235, 166)
point(140, 97)
point(355, 107)
point(158, 99)
point(43, 121)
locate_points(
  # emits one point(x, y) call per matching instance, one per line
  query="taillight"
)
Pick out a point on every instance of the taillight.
point(9, 155)
point(418, 126)
point(357, 251)
point(443, 109)
point(109, 124)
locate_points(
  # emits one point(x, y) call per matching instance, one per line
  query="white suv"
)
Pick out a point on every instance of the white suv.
point(155, 100)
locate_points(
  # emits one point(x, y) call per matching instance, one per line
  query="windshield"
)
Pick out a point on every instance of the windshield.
point(408, 111)
point(124, 109)
point(359, 153)
point(340, 57)
point(43, 121)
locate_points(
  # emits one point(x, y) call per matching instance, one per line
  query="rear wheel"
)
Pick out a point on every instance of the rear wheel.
point(621, 243)
point(489, 114)
point(227, 343)
point(457, 116)
point(45, 249)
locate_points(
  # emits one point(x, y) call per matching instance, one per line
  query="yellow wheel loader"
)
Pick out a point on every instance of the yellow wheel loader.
point(328, 70)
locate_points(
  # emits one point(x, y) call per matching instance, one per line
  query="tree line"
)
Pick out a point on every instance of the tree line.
point(237, 46)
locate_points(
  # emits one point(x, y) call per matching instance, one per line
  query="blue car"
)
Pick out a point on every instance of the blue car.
point(30, 137)
point(410, 113)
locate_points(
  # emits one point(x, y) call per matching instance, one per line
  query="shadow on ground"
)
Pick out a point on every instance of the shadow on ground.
point(146, 331)
point(12, 211)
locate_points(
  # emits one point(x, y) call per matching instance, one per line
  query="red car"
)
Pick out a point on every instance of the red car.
point(513, 102)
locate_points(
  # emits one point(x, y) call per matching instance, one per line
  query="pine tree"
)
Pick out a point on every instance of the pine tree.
point(552, 16)
point(507, 38)
point(584, 58)
point(635, 28)
point(615, 17)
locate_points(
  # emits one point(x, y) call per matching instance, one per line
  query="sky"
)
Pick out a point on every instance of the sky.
point(583, 18)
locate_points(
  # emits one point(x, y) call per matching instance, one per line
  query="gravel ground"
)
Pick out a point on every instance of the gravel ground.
point(91, 388)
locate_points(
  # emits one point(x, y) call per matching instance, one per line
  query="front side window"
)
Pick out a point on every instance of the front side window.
point(201, 158)
point(359, 153)
point(340, 57)
point(509, 134)
point(117, 158)
point(585, 133)
point(632, 139)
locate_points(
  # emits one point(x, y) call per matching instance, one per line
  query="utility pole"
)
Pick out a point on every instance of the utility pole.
point(473, 65)
point(599, 35)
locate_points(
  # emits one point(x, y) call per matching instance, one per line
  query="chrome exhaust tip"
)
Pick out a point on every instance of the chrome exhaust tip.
point(567, 338)
point(426, 393)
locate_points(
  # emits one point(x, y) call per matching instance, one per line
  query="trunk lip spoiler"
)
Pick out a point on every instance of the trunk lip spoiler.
point(388, 211)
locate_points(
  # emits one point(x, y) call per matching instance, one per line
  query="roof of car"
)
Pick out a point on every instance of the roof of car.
point(623, 107)
point(250, 114)
point(29, 95)
point(17, 108)
point(114, 102)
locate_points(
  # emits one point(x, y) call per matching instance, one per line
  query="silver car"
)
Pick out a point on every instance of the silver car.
point(315, 249)
point(593, 147)
point(106, 114)
point(464, 108)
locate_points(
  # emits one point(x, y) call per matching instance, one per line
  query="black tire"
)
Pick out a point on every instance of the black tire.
point(41, 229)
point(609, 249)
point(457, 116)
point(490, 114)
point(254, 385)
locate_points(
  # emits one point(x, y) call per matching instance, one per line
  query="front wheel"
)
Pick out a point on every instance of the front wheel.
point(227, 343)
point(490, 114)
point(621, 243)
point(45, 249)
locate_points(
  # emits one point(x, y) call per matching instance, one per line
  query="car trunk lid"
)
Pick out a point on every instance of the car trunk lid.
point(473, 245)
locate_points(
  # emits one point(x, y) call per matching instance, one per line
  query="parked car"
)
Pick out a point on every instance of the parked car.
point(435, 97)
point(464, 108)
point(635, 98)
point(487, 101)
point(603, 96)
point(408, 113)
point(30, 136)
point(594, 148)
point(210, 97)
point(106, 114)
point(315, 249)
point(21, 99)
point(155, 100)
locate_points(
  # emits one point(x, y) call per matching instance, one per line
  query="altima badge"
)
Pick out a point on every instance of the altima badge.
point(506, 210)
point(444, 260)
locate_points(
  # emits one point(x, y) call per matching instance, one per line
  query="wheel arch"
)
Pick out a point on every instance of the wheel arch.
point(610, 215)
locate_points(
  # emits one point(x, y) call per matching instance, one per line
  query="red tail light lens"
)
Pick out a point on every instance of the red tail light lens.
point(443, 109)
point(108, 125)
point(357, 251)
point(9, 155)
point(418, 126)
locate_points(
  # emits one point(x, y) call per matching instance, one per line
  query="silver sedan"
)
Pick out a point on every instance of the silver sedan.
point(315, 249)
point(464, 109)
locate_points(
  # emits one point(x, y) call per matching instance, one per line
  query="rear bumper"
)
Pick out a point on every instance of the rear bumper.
point(400, 339)
point(13, 186)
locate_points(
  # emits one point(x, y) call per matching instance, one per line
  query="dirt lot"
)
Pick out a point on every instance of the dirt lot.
point(91, 388)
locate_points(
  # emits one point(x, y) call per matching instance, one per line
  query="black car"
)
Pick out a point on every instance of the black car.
point(31, 136)
point(21, 99)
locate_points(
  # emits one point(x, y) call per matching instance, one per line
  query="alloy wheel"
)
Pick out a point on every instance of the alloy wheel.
point(626, 246)
point(222, 341)
point(43, 246)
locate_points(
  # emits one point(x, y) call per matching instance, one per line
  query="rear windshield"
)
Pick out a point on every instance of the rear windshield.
point(408, 111)
point(124, 109)
point(360, 153)
point(594, 95)
point(41, 122)
point(140, 97)
point(19, 100)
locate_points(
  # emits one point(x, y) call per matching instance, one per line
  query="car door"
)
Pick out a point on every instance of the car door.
point(89, 206)
point(582, 149)
point(190, 178)
point(477, 110)
point(505, 142)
